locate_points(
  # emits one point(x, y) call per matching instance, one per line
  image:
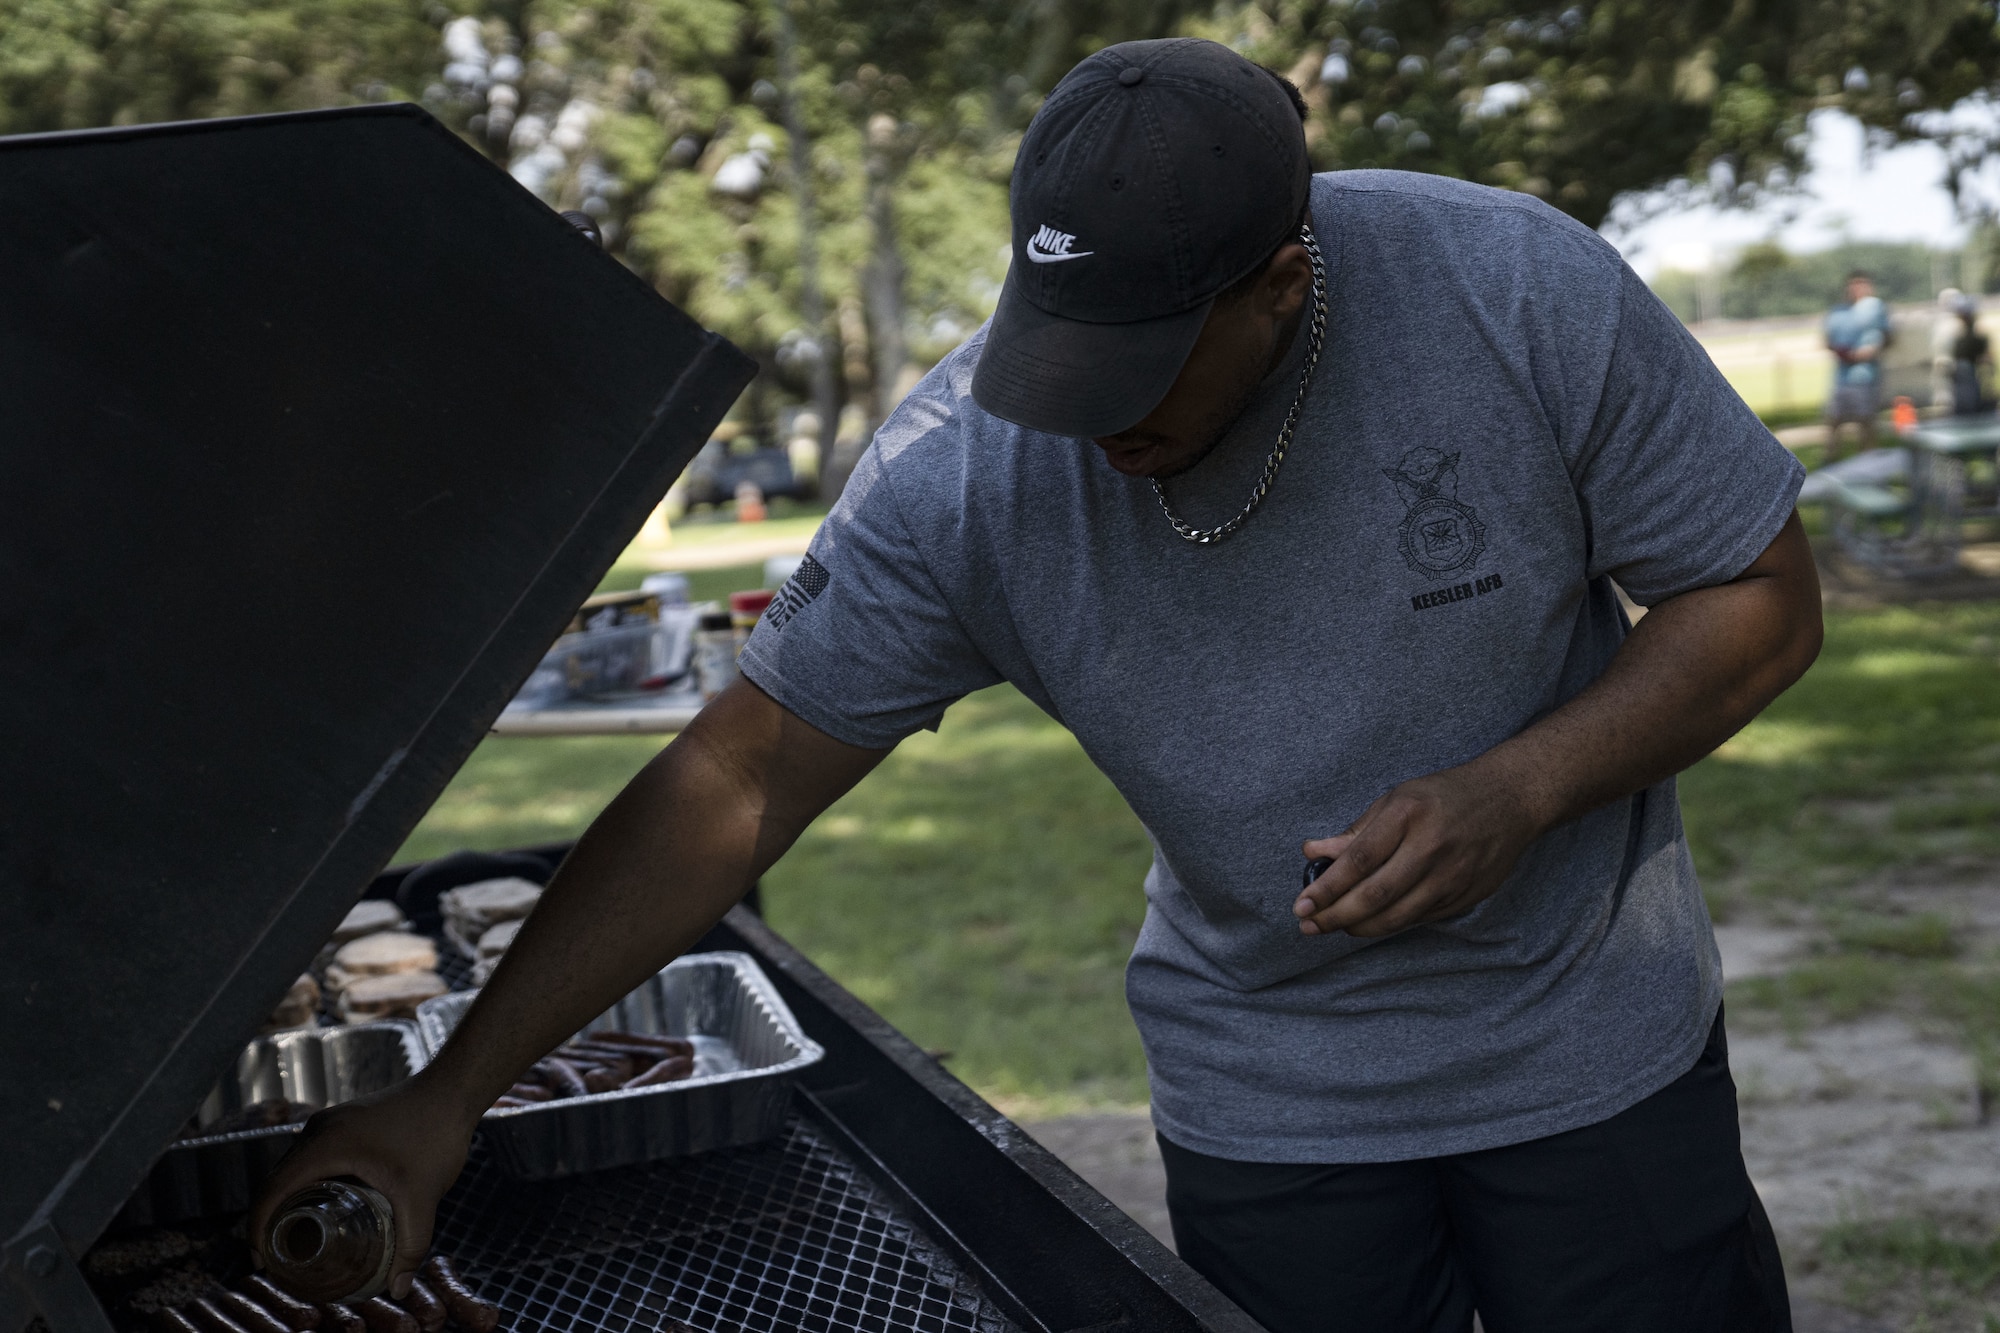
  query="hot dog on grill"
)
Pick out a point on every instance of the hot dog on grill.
point(341, 1318)
point(208, 1315)
point(467, 1310)
point(383, 1316)
point(249, 1313)
point(423, 1303)
point(297, 1315)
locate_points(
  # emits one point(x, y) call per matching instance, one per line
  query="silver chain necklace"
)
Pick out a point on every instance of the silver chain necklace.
point(1207, 536)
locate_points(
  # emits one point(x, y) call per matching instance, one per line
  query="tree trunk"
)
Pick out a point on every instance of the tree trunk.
point(882, 277)
point(853, 430)
point(872, 376)
point(812, 304)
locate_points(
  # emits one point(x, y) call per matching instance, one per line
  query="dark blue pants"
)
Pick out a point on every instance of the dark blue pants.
point(1645, 1222)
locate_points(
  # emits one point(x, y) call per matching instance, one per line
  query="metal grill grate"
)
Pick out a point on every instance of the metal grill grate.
point(453, 966)
point(785, 1237)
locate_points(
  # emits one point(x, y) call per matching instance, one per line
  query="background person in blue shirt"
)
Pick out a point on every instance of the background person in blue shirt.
point(1857, 333)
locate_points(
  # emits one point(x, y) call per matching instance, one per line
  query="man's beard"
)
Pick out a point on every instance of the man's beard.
point(1224, 420)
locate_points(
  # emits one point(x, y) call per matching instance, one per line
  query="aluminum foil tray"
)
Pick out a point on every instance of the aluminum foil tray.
point(748, 1052)
point(219, 1173)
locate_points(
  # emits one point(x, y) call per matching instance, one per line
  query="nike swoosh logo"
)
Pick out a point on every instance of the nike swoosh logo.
point(1044, 257)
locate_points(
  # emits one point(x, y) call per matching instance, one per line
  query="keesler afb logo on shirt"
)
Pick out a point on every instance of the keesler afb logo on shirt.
point(1439, 535)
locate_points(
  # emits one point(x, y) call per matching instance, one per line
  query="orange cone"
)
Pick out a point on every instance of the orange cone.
point(1904, 414)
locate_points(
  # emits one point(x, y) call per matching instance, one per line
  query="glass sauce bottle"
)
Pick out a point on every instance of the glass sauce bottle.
point(334, 1241)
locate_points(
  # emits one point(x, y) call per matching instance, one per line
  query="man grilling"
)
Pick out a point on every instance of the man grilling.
point(1300, 500)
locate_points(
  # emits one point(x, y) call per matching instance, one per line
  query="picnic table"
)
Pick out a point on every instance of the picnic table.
point(1900, 510)
point(658, 715)
point(1947, 451)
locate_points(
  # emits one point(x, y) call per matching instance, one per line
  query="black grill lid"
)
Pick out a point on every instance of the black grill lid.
point(313, 431)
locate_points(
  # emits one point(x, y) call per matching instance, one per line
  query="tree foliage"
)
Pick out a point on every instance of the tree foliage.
point(667, 119)
point(67, 64)
point(1579, 104)
point(1766, 281)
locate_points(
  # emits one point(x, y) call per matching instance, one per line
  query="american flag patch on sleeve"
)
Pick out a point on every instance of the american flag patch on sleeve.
point(808, 581)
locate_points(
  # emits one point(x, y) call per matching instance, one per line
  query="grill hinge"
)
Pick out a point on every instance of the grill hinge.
point(40, 1262)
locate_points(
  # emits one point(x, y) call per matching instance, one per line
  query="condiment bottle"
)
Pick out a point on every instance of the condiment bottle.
point(744, 610)
point(334, 1241)
point(714, 653)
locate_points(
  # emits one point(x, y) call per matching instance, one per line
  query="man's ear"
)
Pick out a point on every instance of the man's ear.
point(1288, 282)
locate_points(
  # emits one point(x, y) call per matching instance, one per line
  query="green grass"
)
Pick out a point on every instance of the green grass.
point(1884, 755)
point(517, 790)
point(1777, 418)
point(718, 527)
point(1941, 1274)
point(1972, 1263)
point(1880, 764)
point(982, 890)
point(704, 585)
point(982, 887)
point(1925, 935)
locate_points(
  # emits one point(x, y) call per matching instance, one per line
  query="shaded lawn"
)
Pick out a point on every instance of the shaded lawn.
point(1886, 755)
point(981, 889)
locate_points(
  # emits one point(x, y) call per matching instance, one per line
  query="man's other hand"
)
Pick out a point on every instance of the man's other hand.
point(1692, 672)
point(1431, 848)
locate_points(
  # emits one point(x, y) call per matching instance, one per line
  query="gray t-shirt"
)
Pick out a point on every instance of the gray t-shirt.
point(1504, 421)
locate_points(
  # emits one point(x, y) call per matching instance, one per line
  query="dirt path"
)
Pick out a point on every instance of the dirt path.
point(1841, 1122)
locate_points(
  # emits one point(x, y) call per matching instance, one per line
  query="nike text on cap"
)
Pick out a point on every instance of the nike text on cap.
point(1157, 174)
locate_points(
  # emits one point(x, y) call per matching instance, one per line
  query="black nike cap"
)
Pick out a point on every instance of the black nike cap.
point(1156, 174)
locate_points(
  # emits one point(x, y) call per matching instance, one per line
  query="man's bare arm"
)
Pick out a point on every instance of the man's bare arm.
point(1694, 671)
point(679, 846)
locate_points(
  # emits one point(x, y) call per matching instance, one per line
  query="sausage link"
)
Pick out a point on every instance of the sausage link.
point(384, 1316)
point(670, 1070)
point(561, 1075)
point(467, 1310)
point(644, 1042)
point(173, 1321)
point(423, 1303)
point(530, 1092)
point(603, 1080)
point(343, 1318)
point(622, 1063)
point(297, 1315)
point(208, 1315)
point(599, 1050)
point(508, 1103)
point(249, 1313)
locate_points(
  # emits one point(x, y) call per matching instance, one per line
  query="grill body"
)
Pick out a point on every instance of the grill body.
point(786, 1235)
point(896, 1198)
point(893, 1198)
